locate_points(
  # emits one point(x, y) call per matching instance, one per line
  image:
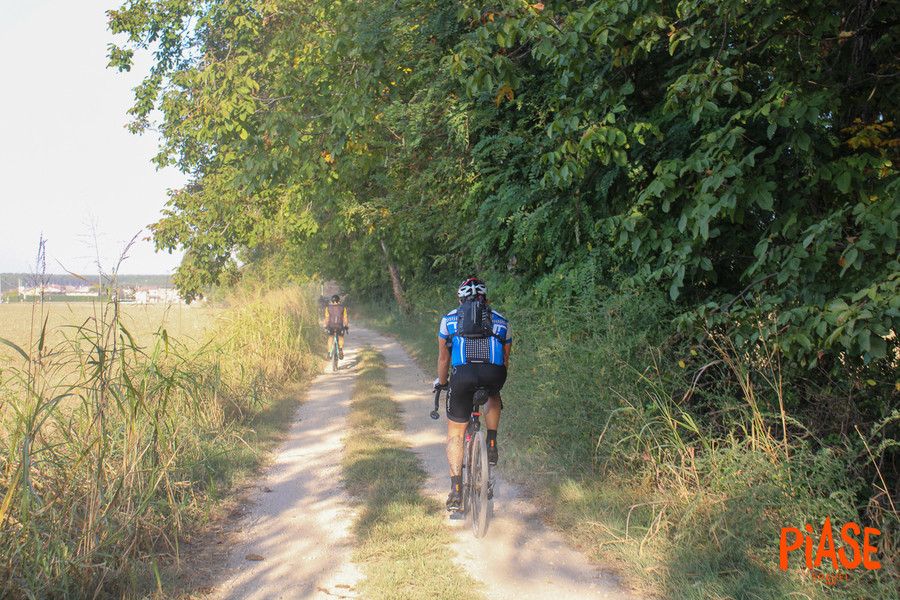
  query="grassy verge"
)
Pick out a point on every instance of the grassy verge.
point(402, 540)
point(673, 464)
point(113, 447)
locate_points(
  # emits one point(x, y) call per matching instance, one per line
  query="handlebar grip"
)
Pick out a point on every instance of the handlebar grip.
point(437, 399)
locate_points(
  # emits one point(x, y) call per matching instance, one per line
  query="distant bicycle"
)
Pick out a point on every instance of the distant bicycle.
point(478, 482)
point(335, 349)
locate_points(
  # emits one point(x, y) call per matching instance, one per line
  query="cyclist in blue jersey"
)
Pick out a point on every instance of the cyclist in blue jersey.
point(467, 364)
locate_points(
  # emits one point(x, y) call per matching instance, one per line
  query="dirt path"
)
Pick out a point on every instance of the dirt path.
point(295, 543)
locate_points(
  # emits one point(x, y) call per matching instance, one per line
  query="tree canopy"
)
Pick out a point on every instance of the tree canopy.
point(742, 156)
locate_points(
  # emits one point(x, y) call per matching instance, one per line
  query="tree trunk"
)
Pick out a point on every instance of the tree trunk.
point(395, 279)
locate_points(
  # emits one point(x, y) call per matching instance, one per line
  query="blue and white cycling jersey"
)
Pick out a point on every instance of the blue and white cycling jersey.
point(476, 351)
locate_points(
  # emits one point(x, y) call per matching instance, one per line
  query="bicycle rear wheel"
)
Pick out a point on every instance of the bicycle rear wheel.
point(479, 475)
point(334, 355)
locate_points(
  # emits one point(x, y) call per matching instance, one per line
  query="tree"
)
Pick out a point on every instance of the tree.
point(296, 123)
point(742, 154)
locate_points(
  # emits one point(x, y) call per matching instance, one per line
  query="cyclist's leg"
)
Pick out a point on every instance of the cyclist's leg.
point(493, 377)
point(459, 407)
point(463, 381)
point(492, 412)
point(330, 342)
point(456, 433)
point(492, 423)
point(455, 444)
point(341, 346)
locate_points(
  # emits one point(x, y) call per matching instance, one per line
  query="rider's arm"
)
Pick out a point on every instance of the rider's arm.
point(443, 361)
point(346, 321)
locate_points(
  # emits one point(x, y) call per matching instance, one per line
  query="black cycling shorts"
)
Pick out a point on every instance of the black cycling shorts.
point(464, 379)
point(333, 330)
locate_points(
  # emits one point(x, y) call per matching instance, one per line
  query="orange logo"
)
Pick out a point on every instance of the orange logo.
point(850, 556)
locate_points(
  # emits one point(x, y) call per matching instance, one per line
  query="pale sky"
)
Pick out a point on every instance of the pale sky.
point(68, 168)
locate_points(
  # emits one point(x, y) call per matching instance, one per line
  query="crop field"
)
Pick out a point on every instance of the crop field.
point(21, 324)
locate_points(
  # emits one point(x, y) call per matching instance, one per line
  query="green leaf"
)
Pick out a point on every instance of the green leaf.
point(14, 347)
point(674, 291)
point(803, 340)
point(842, 181)
point(877, 347)
point(864, 341)
point(850, 257)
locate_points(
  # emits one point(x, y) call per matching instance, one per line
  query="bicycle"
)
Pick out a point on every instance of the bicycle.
point(477, 486)
point(335, 349)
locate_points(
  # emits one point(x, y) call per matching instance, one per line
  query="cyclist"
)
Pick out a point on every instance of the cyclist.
point(466, 369)
point(336, 321)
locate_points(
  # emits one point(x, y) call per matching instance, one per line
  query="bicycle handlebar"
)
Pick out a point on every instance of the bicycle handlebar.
point(437, 399)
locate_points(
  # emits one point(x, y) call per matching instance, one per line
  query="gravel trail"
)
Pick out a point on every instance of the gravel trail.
point(295, 541)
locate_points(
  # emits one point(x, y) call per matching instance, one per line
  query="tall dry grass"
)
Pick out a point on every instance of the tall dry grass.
point(112, 445)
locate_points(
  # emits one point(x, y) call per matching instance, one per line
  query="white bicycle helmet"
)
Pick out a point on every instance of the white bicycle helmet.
point(472, 287)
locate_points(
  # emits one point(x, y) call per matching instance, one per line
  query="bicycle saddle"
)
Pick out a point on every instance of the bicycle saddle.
point(480, 397)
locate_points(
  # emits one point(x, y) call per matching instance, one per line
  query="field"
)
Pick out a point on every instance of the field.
point(115, 443)
point(21, 324)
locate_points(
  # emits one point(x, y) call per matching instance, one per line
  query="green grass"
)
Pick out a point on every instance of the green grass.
point(403, 543)
point(683, 495)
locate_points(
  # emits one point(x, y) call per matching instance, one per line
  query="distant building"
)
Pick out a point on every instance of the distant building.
point(142, 295)
point(38, 291)
point(157, 295)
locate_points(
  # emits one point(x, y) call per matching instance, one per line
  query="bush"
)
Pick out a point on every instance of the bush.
point(681, 457)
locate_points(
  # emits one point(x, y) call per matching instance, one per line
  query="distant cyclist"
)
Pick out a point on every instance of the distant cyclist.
point(473, 351)
point(336, 321)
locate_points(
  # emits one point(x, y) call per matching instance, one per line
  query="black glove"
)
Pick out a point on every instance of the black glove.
point(346, 330)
